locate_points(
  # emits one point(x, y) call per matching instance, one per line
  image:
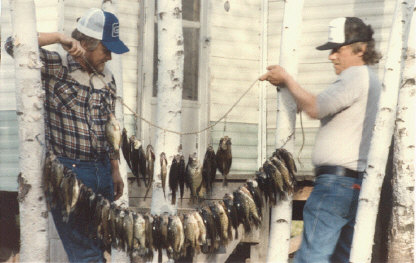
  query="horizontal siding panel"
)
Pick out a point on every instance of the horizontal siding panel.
point(231, 50)
point(239, 36)
point(245, 8)
point(237, 138)
point(9, 184)
point(250, 114)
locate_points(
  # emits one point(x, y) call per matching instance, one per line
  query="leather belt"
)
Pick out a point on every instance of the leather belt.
point(337, 170)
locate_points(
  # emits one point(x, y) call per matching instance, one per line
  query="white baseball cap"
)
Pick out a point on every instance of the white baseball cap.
point(103, 26)
point(346, 30)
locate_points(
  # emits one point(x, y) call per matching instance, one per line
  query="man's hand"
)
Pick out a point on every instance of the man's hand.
point(275, 75)
point(72, 46)
point(117, 181)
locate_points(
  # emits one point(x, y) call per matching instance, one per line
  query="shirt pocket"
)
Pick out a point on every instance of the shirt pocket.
point(66, 97)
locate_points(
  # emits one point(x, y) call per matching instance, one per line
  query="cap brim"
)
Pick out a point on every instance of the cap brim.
point(328, 45)
point(116, 47)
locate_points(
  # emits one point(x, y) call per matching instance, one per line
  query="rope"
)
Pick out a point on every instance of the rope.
point(157, 126)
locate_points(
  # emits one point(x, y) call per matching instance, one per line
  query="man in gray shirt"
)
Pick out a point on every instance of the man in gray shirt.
point(347, 110)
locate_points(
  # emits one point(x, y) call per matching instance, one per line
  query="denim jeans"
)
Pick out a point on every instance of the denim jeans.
point(329, 218)
point(78, 244)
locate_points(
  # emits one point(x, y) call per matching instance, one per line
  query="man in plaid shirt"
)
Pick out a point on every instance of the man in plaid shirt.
point(80, 94)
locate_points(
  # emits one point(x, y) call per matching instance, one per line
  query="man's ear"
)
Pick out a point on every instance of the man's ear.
point(363, 49)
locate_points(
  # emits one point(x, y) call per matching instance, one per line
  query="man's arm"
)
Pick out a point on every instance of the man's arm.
point(305, 100)
point(72, 46)
point(117, 180)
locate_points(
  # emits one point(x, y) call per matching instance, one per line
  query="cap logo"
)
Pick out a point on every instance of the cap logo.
point(114, 31)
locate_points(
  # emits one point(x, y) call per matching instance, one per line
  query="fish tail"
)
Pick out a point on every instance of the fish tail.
point(225, 181)
point(138, 181)
point(173, 197)
point(147, 191)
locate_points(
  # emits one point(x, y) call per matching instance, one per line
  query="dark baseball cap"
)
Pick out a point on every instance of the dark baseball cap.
point(346, 30)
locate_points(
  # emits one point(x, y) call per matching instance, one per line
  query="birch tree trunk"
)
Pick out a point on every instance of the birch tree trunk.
point(116, 68)
point(281, 214)
point(169, 94)
point(30, 112)
point(383, 131)
point(401, 230)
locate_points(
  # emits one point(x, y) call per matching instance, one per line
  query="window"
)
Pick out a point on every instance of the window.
point(191, 30)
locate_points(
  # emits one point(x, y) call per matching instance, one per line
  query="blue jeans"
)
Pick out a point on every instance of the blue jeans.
point(78, 244)
point(329, 218)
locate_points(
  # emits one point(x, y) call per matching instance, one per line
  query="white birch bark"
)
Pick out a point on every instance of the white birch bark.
point(116, 68)
point(401, 230)
point(383, 131)
point(30, 112)
point(281, 214)
point(169, 95)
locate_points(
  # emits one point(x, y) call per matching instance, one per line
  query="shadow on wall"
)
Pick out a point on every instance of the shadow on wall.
point(9, 225)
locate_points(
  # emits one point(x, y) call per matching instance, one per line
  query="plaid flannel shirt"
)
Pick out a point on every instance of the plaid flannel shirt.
point(76, 107)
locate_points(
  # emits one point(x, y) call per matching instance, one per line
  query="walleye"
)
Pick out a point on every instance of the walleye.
point(194, 176)
point(150, 167)
point(209, 168)
point(163, 171)
point(224, 157)
point(174, 176)
point(113, 133)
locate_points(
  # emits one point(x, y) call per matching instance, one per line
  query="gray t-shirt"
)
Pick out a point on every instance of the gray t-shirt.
point(347, 110)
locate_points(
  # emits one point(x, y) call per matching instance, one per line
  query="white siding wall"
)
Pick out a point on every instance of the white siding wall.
point(234, 63)
point(315, 70)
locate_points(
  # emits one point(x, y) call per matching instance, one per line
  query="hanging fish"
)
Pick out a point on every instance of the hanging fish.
point(255, 218)
point(148, 255)
point(231, 210)
point(191, 232)
point(252, 186)
point(176, 235)
point(139, 236)
point(57, 170)
point(182, 175)
point(209, 168)
point(290, 163)
point(113, 133)
point(174, 176)
point(163, 171)
point(128, 228)
point(47, 181)
point(138, 159)
point(224, 157)
point(287, 181)
point(194, 176)
point(202, 237)
point(211, 231)
point(243, 211)
point(125, 147)
point(150, 166)
point(105, 222)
